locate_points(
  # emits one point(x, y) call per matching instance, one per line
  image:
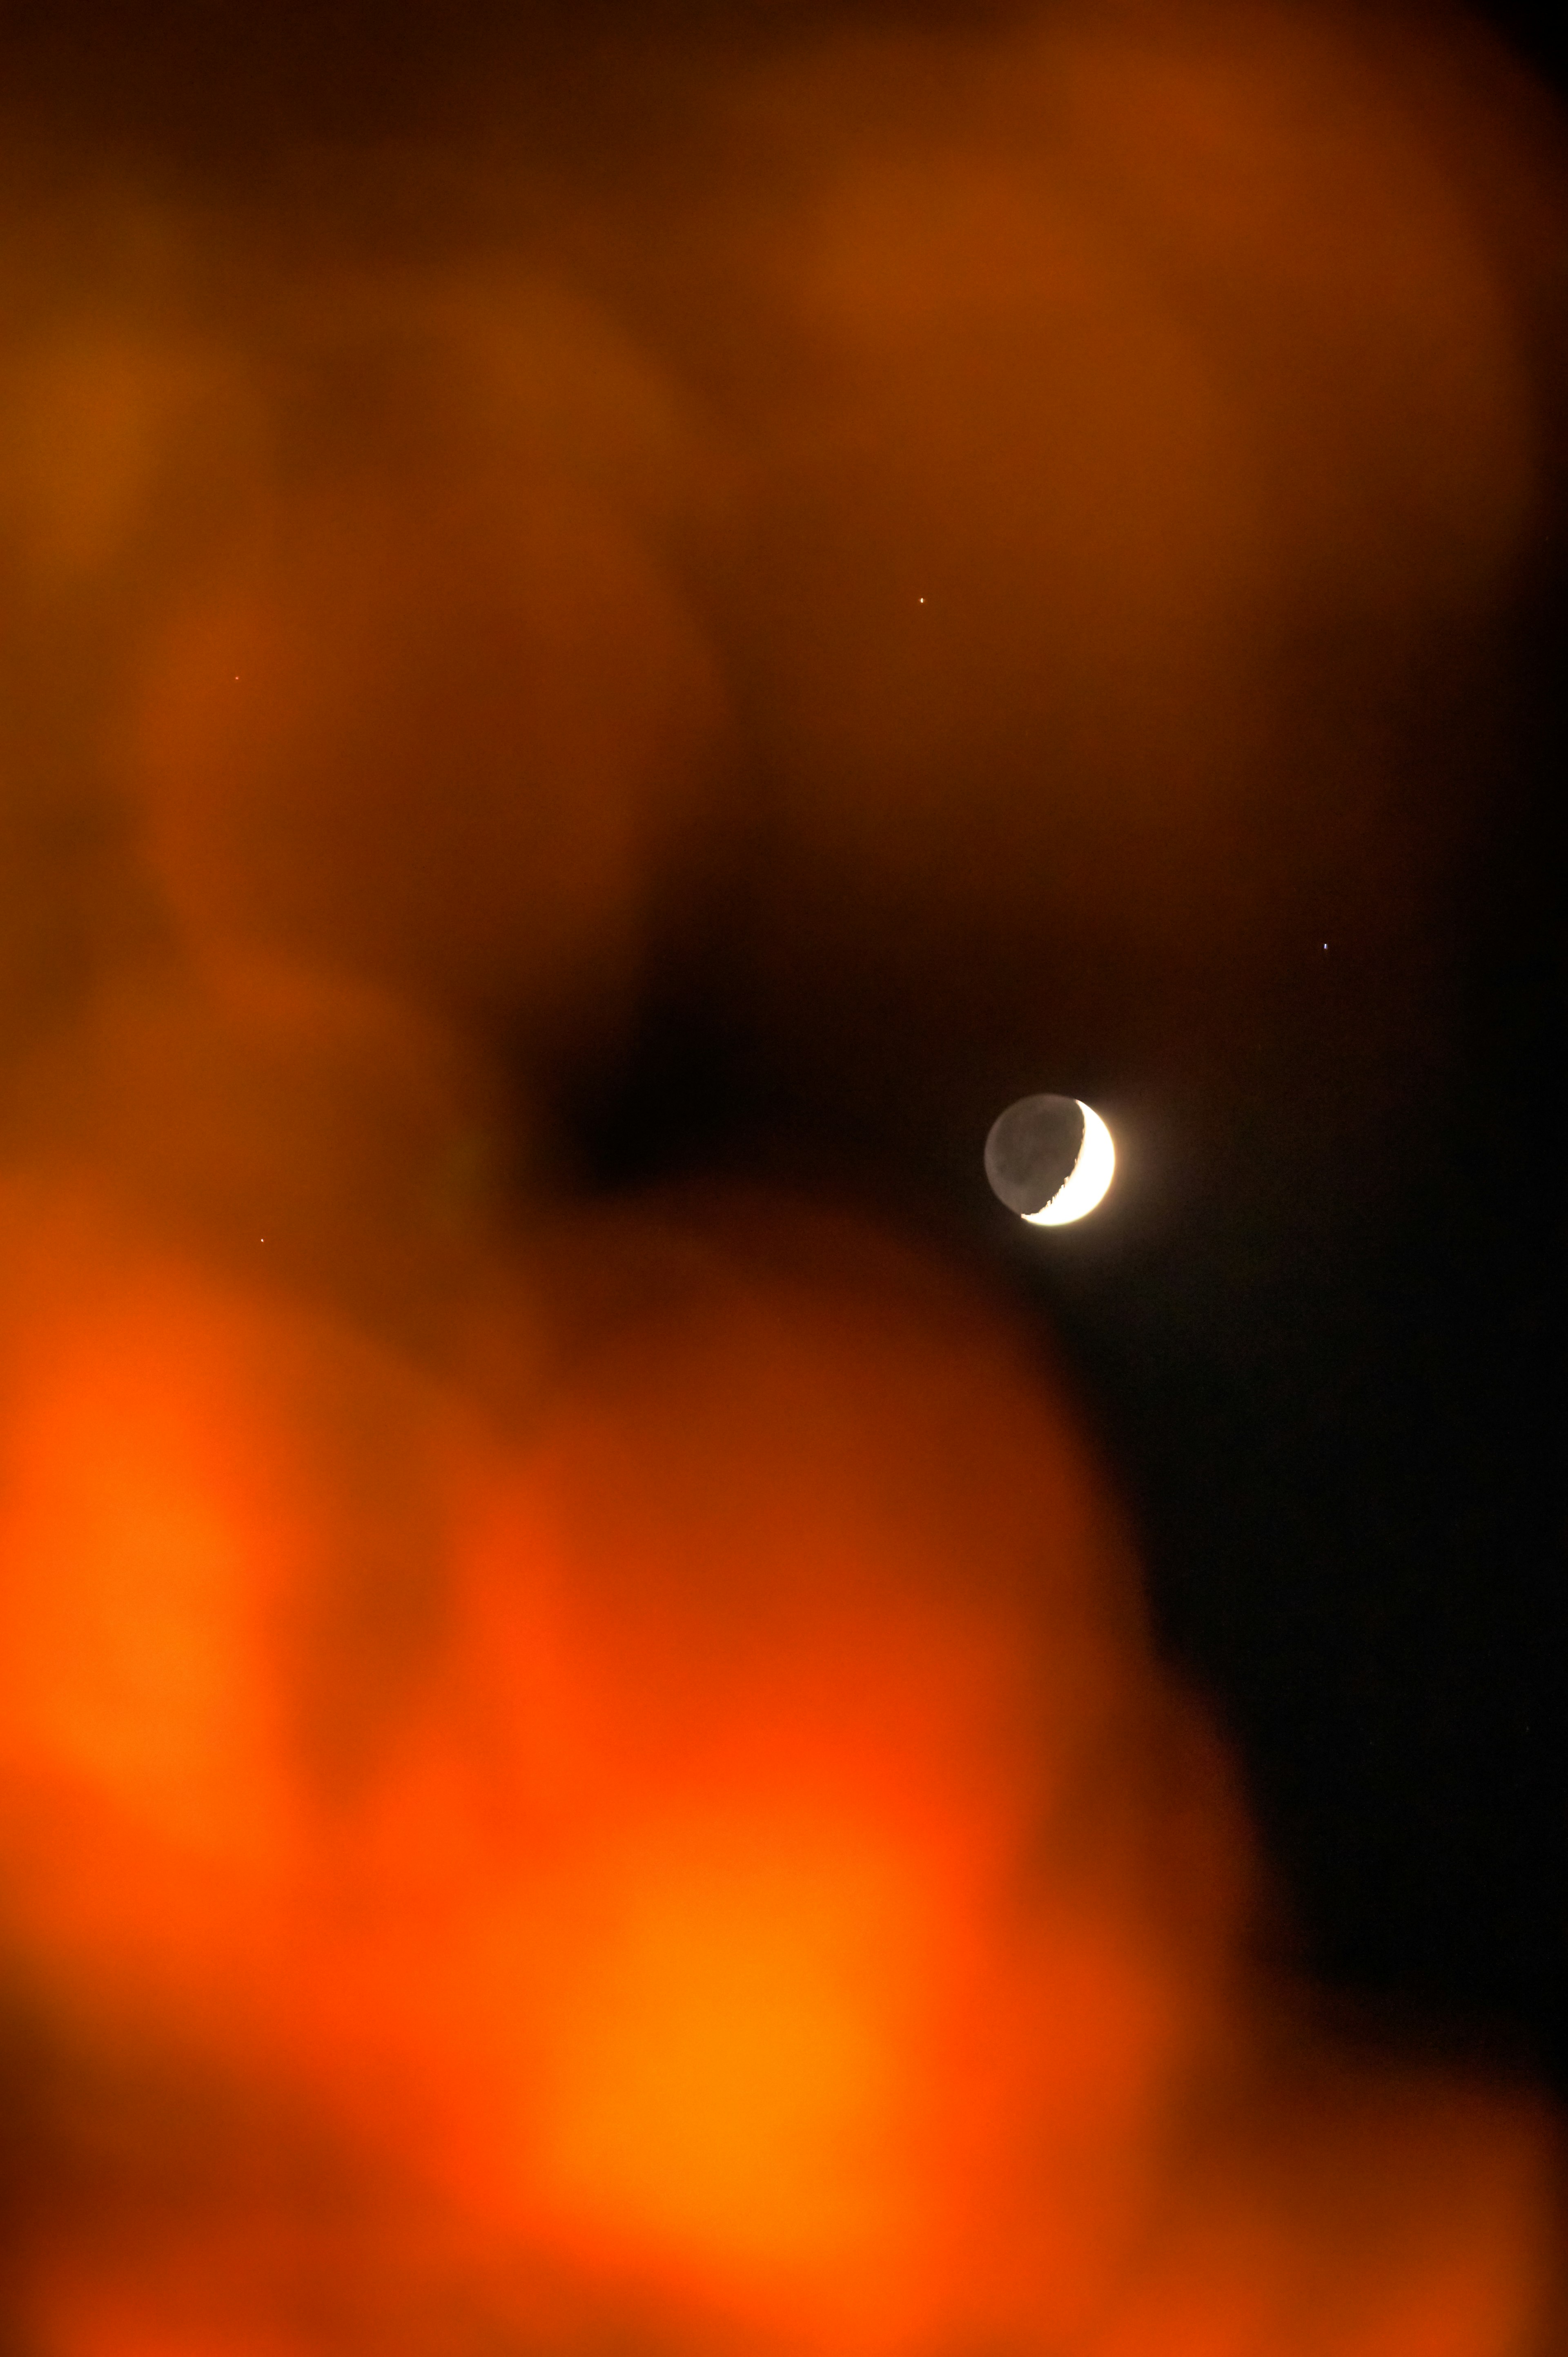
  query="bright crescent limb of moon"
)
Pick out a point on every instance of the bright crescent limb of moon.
point(1086, 1180)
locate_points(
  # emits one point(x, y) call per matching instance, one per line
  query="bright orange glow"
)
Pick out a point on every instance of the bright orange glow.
point(580, 1779)
point(786, 1900)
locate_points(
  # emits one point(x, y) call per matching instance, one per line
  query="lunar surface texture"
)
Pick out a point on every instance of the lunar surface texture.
point(1049, 1158)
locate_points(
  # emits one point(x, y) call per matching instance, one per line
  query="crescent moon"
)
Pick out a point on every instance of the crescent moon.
point(1086, 1180)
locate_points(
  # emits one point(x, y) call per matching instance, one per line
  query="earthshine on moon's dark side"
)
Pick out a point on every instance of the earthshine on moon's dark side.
point(1050, 1159)
point(1032, 1150)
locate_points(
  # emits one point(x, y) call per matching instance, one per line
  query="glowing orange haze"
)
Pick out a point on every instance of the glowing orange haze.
point(674, 1821)
point(579, 1779)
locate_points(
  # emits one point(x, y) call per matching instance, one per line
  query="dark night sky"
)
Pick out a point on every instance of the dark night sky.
point(1343, 1423)
point(1343, 1428)
point(1339, 1414)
